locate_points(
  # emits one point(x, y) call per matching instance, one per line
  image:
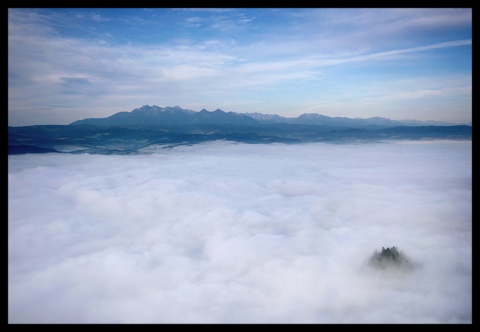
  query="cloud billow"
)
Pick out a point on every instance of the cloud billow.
point(236, 233)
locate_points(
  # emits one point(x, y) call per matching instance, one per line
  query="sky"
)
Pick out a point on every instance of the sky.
point(201, 234)
point(67, 64)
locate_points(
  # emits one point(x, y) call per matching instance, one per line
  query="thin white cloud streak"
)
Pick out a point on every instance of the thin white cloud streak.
point(233, 233)
point(463, 90)
point(397, 19)
point(380, 26)
point(394, 53)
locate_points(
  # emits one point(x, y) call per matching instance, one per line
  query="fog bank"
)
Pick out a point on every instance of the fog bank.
point(236, 233)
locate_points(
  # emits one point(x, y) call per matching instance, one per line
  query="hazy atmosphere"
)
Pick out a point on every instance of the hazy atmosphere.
point(399, 63)
point(236, 233)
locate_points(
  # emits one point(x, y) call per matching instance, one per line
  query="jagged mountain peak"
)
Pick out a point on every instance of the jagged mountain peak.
point(156, 109)
point(155, 115)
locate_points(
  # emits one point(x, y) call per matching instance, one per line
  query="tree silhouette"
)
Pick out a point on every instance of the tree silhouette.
point(389, 257)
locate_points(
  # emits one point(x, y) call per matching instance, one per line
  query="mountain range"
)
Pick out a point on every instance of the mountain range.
point(155, 115)
point(149, 128)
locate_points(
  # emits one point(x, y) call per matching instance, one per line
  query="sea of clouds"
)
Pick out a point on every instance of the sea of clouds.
point(236, 233)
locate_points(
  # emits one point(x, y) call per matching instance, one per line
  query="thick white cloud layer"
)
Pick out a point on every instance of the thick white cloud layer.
point(234, 233)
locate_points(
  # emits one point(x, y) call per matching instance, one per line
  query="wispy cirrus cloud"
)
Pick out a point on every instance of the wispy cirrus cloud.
point(393, 54)
point(99, 18)
point(396, 18)
point(450, 91)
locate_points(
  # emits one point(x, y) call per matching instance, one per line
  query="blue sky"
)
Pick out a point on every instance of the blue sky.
point(399, 63)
